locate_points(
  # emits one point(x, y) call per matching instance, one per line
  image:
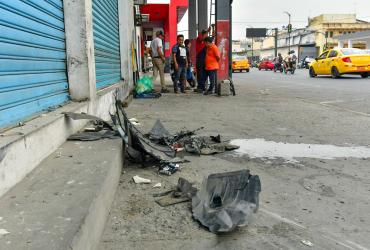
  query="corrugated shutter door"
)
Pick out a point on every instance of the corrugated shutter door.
point(33, 75)
point(106, 42)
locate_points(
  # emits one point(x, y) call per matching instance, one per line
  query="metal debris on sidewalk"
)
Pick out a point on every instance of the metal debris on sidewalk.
point(227, 200)
point(159, 147)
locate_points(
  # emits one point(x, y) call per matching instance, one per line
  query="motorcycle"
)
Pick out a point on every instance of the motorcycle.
point(278, 67)
point(291, 69)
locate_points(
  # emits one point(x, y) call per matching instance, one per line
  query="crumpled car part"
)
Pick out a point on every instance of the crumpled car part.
point(227, 200)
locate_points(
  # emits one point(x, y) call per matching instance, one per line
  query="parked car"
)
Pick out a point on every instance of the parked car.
point(266, 64)
point(337, 62)
point(240, 63)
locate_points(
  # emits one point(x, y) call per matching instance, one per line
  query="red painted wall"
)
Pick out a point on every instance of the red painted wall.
point(169, 19)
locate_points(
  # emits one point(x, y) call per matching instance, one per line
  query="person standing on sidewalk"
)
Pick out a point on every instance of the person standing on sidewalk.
point(201, 55)
point(158, 59)
point(211, 64)
point(180, 63)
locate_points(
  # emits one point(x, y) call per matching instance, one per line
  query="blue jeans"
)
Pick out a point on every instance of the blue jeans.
point(211, 74)
point(180, 77)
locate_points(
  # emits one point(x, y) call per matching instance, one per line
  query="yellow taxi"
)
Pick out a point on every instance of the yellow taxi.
point(240, 63)
point(337, 62)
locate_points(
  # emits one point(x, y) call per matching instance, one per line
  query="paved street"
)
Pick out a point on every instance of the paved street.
point(320, 196)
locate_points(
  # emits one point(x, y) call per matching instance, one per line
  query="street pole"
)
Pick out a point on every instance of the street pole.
point(192, 19)
point(252, 50)
point(290, 23)
point(252, 44)
point(276, 41)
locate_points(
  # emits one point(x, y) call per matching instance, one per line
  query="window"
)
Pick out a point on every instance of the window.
point(323, 55)
point(333, 53)
point(348, 52)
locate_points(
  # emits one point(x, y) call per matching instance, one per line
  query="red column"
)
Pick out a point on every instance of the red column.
point(170, 29)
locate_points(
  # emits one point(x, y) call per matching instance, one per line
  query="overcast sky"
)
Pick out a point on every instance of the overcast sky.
point(269, 13)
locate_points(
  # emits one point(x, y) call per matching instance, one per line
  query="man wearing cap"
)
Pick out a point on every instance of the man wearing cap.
point(201, 56)
point(158, 59)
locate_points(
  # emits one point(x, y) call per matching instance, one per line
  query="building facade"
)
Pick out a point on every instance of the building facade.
point(302, 41)
point(58, 56)
point(330, 26)
point(322, 32)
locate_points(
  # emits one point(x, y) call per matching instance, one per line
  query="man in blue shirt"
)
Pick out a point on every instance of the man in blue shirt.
point(180, 64)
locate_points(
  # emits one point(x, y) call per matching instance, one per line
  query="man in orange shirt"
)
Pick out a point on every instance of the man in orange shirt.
point(211, 64)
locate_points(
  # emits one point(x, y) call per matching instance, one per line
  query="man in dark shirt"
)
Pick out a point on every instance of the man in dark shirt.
point(180, 64)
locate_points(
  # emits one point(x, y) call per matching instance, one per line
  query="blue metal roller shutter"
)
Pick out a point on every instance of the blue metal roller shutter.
point(33, 74)
point(106, 42)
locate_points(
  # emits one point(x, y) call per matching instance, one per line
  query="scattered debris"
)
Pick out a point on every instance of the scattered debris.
point(307, 243)
point(158, 185)
point(169, 169)
point(84, 116)
point(227, 200)
point(3, 231)
point(93, 136)
point(134, 122)
point(183, 192)
point(139, 180)
point(170, 200)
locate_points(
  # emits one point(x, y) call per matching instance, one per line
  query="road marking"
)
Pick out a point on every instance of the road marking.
point(283, 219)
point(349, 244)
point(336, 107)
point(332, 102)
point(357, 245)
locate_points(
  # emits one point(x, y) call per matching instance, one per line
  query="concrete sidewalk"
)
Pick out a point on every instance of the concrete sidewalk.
point(311, 199)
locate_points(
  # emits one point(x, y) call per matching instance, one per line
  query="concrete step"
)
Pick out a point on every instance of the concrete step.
point(65, 201)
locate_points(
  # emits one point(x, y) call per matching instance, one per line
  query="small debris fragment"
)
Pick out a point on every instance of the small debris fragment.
point(139, 180)
point(169, 169)
point(158, 185)
point(70, 182)
point(3, 231)
point(1, 218)
point(307, 243)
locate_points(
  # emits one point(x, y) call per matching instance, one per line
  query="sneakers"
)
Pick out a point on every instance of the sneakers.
point(165, 91)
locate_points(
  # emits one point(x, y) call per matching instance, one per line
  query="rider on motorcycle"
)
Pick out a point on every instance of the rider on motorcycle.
point(290, 60)
point(278, 61)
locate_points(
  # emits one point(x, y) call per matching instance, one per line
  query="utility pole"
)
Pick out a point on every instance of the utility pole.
point(289, 27)
point(252, 44)
point(193, 19)
point(276, 41)
point(252, 50)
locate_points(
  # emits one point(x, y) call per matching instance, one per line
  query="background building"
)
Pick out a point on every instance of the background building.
point(329, 26)
point(322, 32)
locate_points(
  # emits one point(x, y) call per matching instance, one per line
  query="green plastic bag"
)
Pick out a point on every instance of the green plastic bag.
point(144, 85)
